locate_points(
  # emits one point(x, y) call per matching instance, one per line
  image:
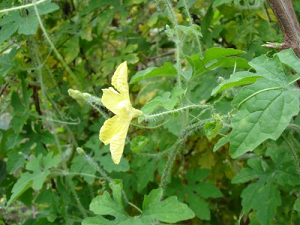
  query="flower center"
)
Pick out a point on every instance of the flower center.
point(125, 108)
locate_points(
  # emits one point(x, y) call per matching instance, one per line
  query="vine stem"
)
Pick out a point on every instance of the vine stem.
point(22, 6)
point(169, 165)
point(176, 110)
point(177, 40)
point(191, 23)
point(37, 63)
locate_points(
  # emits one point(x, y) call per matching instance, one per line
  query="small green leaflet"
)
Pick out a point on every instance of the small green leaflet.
point(169, 210)
point(40, 170)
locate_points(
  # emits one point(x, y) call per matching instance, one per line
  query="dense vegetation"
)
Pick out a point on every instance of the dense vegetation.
point(219, 138)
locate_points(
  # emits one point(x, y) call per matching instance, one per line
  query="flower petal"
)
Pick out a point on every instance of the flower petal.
point(117, 146)
point(119, 80)
point(114, 132)
point(111, 99)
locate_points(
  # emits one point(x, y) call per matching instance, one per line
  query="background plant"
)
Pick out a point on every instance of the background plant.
point(220, 143)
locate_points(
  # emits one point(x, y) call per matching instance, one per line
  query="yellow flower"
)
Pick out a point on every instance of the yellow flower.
point(114, 130)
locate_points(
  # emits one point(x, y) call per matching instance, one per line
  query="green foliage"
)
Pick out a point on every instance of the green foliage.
point(40, 170)
point(168, 210)
point(264, 196)
point(265, 108)
point(219, 139)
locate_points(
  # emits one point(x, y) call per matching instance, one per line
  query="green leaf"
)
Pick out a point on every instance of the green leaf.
point(15, 161)
point(220, 143)
point(105, 205)
point(103, 156)
point(26, 24)
point(215, 58)
point(196, 191)
point(263, 198)
point(269, 68)
point(166, 70)
point(145, 170)
point(212, 129)
point(23, 183)
point(264, 115)
point(80, 165)
point(220, 2)
point(40, 167)
point(9, 26)
point(105, 19)
point(169, 210)
point(236, 79)
point(228, 62)
point(6, 60)
point(138, 143)
point(71, 49)
point(244, 176)
point(217, 53)
point(297, 205)
point(289, 58)
point(200, 207)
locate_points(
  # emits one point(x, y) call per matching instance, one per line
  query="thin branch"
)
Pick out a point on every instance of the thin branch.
point(22, 6)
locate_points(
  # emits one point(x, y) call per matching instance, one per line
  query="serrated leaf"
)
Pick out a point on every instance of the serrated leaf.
point(264, 116)
point(236, 79)
point(166, 70)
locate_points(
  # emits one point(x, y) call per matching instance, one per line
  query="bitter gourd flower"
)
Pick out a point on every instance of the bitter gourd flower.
point(114, 130)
